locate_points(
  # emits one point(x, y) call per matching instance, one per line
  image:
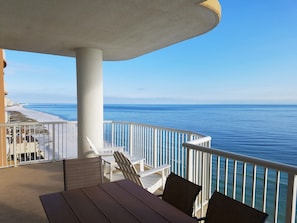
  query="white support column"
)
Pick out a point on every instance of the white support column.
point(89, 99)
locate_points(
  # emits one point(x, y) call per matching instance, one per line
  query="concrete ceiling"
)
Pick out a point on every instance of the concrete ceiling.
point(122, 29)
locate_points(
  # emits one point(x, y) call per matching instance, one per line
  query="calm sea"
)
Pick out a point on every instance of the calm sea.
point(263, 131)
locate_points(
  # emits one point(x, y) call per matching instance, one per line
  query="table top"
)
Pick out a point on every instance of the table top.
point(119, 201)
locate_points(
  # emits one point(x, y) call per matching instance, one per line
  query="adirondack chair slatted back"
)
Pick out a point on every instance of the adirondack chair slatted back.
point(127, 168)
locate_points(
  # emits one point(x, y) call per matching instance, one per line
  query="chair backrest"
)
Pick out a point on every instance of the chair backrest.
point(82, 172)
point(92, 146)
point(222, 208)
point(108, 151)
point(127, 168)
point(181, 193)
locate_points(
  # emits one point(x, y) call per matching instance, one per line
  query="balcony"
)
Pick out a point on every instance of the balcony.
point(267, 186)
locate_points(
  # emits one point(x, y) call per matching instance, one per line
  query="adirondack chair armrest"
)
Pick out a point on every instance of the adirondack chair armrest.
point(155, 170)
point(108, 151)
point(104, 152)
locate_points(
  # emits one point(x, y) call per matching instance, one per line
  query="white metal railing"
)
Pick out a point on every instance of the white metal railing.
point(267, 186)
point(158, 145)
point(32, 142)
point(50, 141)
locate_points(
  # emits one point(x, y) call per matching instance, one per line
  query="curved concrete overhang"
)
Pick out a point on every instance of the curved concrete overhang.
point(121, 29)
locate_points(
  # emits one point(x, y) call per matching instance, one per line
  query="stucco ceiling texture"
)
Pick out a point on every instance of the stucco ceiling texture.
point(122, 29)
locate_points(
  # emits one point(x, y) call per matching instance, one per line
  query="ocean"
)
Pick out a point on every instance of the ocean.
point(263, 131)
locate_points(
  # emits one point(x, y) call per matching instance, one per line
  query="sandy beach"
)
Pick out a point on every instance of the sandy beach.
point(64, 140)
point(35, 115)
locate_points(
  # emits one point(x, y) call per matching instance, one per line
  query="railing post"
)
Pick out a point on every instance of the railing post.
point(155, 148)
point(291, 198)
point(190, 168)
point(208, 178)
point(14, 146)
point(112, 134)
point(54, 142)
point(131, 139)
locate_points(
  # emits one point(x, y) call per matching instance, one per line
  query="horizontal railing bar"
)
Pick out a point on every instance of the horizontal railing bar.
point(11, 124)
point(244, 158)
point(158, 127)
point(204, 139)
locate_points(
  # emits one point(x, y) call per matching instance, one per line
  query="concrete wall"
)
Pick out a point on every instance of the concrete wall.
point(2, 112)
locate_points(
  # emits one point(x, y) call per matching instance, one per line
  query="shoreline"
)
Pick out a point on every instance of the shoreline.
point(50, 124)
point(34, 115)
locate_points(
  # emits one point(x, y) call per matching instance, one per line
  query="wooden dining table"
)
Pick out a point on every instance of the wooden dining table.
point(119, 201)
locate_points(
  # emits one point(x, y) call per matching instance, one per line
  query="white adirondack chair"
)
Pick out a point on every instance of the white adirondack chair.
point(148, 179)
point(104, 151)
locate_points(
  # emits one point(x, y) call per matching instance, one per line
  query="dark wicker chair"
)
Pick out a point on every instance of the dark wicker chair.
point(223, 209)
point(82, 172)
point(180, 193)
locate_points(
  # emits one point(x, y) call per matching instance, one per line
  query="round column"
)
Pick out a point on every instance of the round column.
point(89, 99)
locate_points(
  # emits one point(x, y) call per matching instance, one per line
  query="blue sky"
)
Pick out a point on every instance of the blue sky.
point(250, 57)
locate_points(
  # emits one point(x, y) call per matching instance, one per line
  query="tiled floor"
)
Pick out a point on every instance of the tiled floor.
point(20, 188)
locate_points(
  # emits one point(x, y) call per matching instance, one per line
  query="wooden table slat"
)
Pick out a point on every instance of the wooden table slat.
point(57, 209)
point(136, 207)
point(83, 207)
point(154, 203)
point(112, 210)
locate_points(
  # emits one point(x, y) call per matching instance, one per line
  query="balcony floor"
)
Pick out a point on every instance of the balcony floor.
point(20, 189)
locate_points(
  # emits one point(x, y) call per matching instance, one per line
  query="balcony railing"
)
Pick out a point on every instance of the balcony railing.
point(158, 145)
point(38, 142)
point(265, 185)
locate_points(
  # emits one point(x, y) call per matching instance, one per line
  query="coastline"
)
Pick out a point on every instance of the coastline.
point(19, 114)
point(34, 115)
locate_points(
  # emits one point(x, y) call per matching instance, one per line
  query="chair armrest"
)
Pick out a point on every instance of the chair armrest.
point(104, 152)
point(108, 151)
point(154, 170)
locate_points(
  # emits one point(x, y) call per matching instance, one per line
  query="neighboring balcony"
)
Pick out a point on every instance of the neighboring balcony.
point(267, 186)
